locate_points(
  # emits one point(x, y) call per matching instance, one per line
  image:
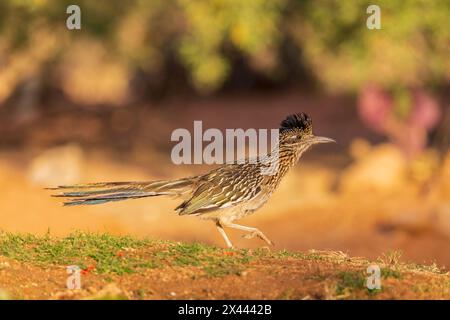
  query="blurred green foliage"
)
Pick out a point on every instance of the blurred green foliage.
point(411, 49)
point(202, 38)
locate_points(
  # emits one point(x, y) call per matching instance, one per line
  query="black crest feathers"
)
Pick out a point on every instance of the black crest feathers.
point(296, 121)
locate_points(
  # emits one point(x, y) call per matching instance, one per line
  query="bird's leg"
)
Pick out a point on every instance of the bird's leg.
point(252, 232)
point(223, 234)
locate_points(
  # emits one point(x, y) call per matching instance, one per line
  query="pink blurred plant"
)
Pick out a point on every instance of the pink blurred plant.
point(377, 109)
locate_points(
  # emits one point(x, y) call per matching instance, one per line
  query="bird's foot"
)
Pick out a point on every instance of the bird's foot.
point(260, 235)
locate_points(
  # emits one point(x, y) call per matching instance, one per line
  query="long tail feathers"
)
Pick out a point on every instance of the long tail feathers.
point(98, 193)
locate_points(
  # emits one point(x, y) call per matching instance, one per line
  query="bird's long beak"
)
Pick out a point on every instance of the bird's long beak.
point(316, 140)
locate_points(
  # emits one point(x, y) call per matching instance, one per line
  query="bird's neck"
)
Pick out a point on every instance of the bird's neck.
point(284, 158)
point(290, 154)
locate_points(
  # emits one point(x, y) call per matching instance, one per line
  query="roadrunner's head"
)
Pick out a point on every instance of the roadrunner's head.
point(296, 131)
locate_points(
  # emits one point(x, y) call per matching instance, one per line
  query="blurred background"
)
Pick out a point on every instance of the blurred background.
point(100, 103)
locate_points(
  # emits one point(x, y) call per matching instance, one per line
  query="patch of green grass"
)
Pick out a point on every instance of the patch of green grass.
point(425, 288)
point(288, 254)
point(82, 249)
point(120, 254)
point(108, 254)
point(390, 273)
point(350, 280)
point(214, 261)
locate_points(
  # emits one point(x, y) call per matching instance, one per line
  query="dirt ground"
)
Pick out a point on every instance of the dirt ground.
point(317, 275)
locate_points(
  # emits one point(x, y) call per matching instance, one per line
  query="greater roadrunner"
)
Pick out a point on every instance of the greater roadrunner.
point(227, 193)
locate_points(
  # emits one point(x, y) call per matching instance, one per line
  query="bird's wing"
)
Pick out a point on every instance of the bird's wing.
point(224, 187)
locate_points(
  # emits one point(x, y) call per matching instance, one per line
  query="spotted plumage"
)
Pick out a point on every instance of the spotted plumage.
point(224, 194)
